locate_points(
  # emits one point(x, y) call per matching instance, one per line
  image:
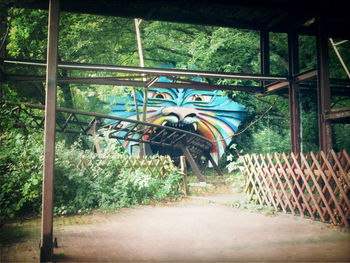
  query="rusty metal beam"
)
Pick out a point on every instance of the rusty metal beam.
point(121, 128)
point(309, 74)
point(118, 82)
point(150, 71)
point(46, 247)
point(311, 88)
point(323, 86)
point(191, 161)
point(305, 75)
point(294, 103)
point(339, 115)
point(264, 54)
point(277, 86)
point(215, 166)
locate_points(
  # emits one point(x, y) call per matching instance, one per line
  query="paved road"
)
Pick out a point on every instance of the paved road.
point(197, 230)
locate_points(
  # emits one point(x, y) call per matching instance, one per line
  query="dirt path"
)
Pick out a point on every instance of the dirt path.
point(196, 230)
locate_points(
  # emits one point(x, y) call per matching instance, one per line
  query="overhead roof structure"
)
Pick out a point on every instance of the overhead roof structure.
point(266, 16)
point(323, 19)
point(270, 15)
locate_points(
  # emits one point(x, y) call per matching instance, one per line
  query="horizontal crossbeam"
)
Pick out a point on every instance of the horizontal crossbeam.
point(135, 83)
point(277, 86)
point(306, 75)
point(339, 115)
point(148, 71)
point(297, 78)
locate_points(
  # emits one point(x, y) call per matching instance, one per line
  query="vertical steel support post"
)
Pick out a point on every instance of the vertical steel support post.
point(264, 54)
point(294, 103)
point(323, 86)
point(46, 247)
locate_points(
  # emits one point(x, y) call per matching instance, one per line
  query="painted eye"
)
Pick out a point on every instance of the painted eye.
point(200, 98)
point(159, 95)
point(197, 98)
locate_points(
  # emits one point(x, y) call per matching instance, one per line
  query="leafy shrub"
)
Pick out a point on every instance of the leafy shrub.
point(270, 141)
point(83, 179)
point(20, 173)
point(235, 169)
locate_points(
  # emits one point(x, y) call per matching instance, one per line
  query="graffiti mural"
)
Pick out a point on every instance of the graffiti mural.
point(204, 112)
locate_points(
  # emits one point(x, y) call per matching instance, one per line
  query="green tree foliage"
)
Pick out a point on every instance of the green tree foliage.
point(110, 40)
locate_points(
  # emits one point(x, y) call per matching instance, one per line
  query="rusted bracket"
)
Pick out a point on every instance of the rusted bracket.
point(191, 161)
point(212, 161)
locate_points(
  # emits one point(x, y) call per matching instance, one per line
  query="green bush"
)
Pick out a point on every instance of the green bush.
point(270, 141)
point(84, 180)
point(20, 173)
point(235, 175)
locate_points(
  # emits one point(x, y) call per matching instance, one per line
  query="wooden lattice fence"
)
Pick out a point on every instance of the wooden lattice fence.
point(157, 166)
point(314, 186)
point(154, 165)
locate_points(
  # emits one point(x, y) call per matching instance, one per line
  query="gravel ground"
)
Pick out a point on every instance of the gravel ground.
point(200, 229)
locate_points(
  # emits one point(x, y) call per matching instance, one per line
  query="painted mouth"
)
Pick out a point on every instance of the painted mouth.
point(191, 127)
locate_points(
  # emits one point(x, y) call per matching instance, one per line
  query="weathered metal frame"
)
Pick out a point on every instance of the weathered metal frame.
point(297, 78)
point(122, 81)
point(74, 124)
point(323, 86)
point(264, 54)
point(273, 16)
point(308, 83)
point(341, 115)
point(46, 246)
point(323, 90)
point(294, 103)
point(148, 71)
point(133, 130)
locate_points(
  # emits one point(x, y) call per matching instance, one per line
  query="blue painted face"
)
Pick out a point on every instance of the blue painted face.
point(205, 112)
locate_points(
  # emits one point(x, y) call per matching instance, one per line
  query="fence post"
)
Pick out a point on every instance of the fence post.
point(94, 133)
point(183, 168)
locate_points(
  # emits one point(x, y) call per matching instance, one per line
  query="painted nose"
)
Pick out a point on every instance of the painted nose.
point(180, 112)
